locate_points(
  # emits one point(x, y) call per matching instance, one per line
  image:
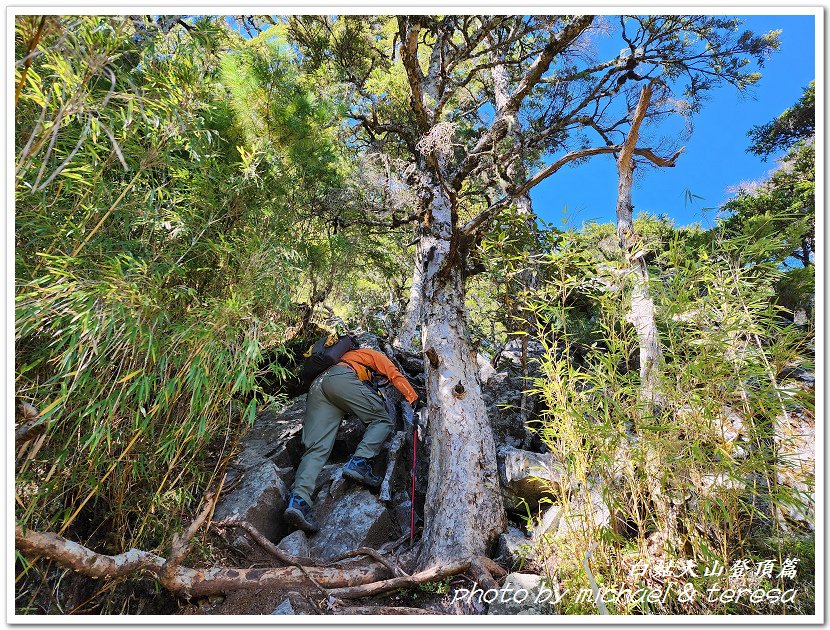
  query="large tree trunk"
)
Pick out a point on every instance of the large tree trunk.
point(464, 512)
point(405, 338)
point(642, 313)
point(642, 316)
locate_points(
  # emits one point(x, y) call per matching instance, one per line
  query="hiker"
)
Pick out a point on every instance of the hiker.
point(346, 387)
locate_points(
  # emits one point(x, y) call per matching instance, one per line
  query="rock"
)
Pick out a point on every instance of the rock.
point(485, 368)
point(393, 459)
point(259, 500)
point(326, 476)
point(348, 436)
point(730, 425)
point(339, 484)
point(502, 395)
point(403, 515)
point(549, 524)
point(523, 594)
point(275, 436)
point(514, 547)
point(512, 354)
point(401, 509)
point(412, 363)
point(587, 511)
point(295, 544)
point(354, 520)
point(527, 475)
point(796, 443)
point(285, 608)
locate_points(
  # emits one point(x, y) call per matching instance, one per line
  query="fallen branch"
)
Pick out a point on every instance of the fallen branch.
point(184, 580)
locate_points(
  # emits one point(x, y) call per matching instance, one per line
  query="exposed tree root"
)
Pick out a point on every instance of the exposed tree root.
point(298, 561)
point(383, 610)
point(335, 581)
point(480, 567)
point(183, 580)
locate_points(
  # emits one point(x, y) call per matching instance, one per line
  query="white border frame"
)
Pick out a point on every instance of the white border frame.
point(469, 8)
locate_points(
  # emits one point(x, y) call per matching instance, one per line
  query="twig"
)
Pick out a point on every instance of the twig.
point(384, 586)
point(391, 546)
point(261, 540)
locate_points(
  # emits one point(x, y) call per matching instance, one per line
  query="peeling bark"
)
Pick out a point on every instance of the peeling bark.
point(463, 511)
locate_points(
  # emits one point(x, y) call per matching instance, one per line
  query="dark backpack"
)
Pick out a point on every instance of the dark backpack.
point(324, 353)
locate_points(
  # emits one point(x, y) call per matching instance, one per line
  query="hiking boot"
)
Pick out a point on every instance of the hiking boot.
point(300, 515)
point(360, 469)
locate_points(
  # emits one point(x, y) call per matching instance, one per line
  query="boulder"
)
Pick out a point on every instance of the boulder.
point(588, 510)
point(522, 594)
point(295, 544)
point(485, 368)
point(275, 436)
point(502, 395)
point(354, 520)
point(259, 499)
point(796, 442)
point(401, 509)
point(412, 363)
point(548, 525)
point(511, 355)
point(514, 547)
point(529, 476)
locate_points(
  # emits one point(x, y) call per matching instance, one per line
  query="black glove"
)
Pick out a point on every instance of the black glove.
point(417, 405)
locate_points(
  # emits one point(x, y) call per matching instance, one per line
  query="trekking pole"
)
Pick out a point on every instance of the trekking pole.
point(415, 418)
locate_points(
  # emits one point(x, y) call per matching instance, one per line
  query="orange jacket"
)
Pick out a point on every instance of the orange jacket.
point(364, 359)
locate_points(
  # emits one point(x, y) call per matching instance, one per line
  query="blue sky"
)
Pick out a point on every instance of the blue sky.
point(715, 156)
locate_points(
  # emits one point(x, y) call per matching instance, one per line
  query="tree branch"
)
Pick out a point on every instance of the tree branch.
point(409, 57)
point(476, 222)
point(627, 150)
point(499, 128)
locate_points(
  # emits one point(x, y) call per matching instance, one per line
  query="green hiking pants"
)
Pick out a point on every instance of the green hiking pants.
point(332, 394)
